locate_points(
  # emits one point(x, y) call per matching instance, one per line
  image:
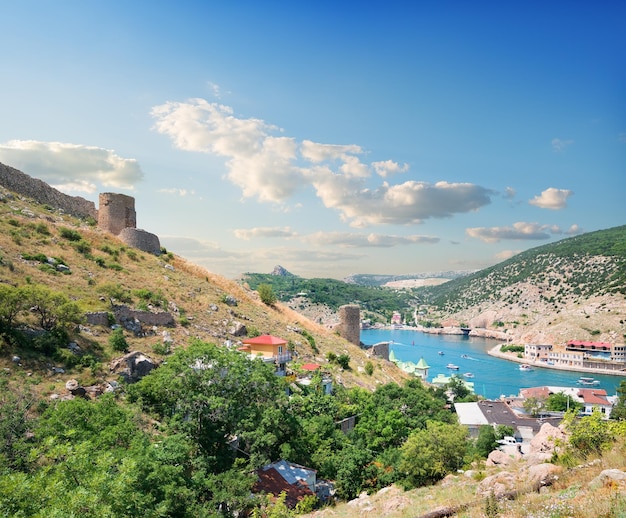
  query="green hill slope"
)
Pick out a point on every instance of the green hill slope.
point(572, 289)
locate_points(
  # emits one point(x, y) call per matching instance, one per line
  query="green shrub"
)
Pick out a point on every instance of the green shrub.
point(369, 368)
point(117, 340)
point(69, 234)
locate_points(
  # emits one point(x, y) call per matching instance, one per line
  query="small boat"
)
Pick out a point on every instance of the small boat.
point(525, 367)
point(441, 353)
point(588, 381)
point(465, 356)
point(453, 367)
point(468, 375)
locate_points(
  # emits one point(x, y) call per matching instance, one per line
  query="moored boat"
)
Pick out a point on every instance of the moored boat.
point(468, 375)
point(584, 380)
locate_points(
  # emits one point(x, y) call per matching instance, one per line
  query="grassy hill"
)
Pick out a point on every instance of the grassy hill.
point(375, 301)
point(572, 289)
point(34, 238)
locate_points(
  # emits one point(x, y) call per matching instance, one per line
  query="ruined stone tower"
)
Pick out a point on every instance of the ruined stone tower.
point(116, 212)
point(350, 323)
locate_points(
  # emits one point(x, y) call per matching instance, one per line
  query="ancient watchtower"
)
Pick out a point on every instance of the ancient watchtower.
point(116, 212)
point(350, 323)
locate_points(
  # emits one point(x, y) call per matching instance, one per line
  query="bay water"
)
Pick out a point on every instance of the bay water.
point(492, 377)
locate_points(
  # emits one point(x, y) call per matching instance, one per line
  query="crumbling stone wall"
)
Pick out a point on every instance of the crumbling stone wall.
point(116, 212)
point(41, 192)
point(350, 323)
point(141, 240)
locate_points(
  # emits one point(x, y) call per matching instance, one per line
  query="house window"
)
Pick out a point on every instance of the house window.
point(280, 349)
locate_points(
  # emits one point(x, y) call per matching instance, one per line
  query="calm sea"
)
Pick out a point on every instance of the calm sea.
point(493, 377)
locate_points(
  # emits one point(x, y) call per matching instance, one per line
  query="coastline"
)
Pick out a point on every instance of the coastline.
point(495, 351)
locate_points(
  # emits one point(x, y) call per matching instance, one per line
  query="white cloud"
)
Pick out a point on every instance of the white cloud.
point(519, 231)
point(559, 145)
point(574, 230)
point(71, 167)
point(552, 198)
point(509, 193)
point(410, 202)
point(388, 168)
point(506, 254)
point(272, 168)
point(264, 232)
point(352, 240)
point(178, 192)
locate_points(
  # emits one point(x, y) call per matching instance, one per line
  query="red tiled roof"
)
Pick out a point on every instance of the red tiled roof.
point(594, 396)
point(311, 366)
point(265, 340)
point(585, 343)
point(272, 482)
point(540, 393)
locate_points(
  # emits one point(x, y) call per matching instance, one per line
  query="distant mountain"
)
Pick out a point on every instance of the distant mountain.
point(570, 289)
point(367, 279)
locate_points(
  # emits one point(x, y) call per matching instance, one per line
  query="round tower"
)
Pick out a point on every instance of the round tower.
point(350, 323)
point(116, 212)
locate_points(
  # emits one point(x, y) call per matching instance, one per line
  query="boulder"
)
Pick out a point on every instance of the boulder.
point(501, 458)
point(547, 440)
point(542, 474)
point(498, 484)
point(133, 366)
point(609, 477)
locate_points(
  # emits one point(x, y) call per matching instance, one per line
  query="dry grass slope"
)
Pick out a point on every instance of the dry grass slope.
point(196, 297)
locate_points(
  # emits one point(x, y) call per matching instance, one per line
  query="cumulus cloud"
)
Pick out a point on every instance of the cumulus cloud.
point(264, 232)
point(519, 231)
point(506, 254)
point(406, 203)
point(559, 145)
point(353, 240)
point(71, 167)
point(552, 198)
point(389, 167)
point(273, 167)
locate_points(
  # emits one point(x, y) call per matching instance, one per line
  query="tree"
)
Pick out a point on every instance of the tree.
point(53, 308)
point(430, 454)
point(266, 292)
point(619, 410)
point(486, 440)
point(117, 341)
point(533, 406)
point(559, 402)
point(12, 302)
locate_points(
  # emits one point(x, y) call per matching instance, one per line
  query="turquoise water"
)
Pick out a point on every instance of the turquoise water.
point(493, 377)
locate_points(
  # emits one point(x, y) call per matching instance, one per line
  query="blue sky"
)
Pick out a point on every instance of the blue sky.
point(328, 137)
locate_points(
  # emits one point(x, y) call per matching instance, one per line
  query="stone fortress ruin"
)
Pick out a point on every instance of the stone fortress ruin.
point(116, 213)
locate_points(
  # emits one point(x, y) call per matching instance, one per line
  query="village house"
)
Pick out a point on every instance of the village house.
point(591, 398)
point(270, 349)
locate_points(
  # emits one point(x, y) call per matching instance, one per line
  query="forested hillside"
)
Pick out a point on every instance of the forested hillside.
point(333, 293)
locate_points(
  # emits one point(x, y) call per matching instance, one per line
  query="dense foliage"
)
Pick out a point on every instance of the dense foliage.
point(185, 440)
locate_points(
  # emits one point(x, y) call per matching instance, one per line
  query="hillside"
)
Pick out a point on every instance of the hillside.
point(98, 265)
point(572, 289)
